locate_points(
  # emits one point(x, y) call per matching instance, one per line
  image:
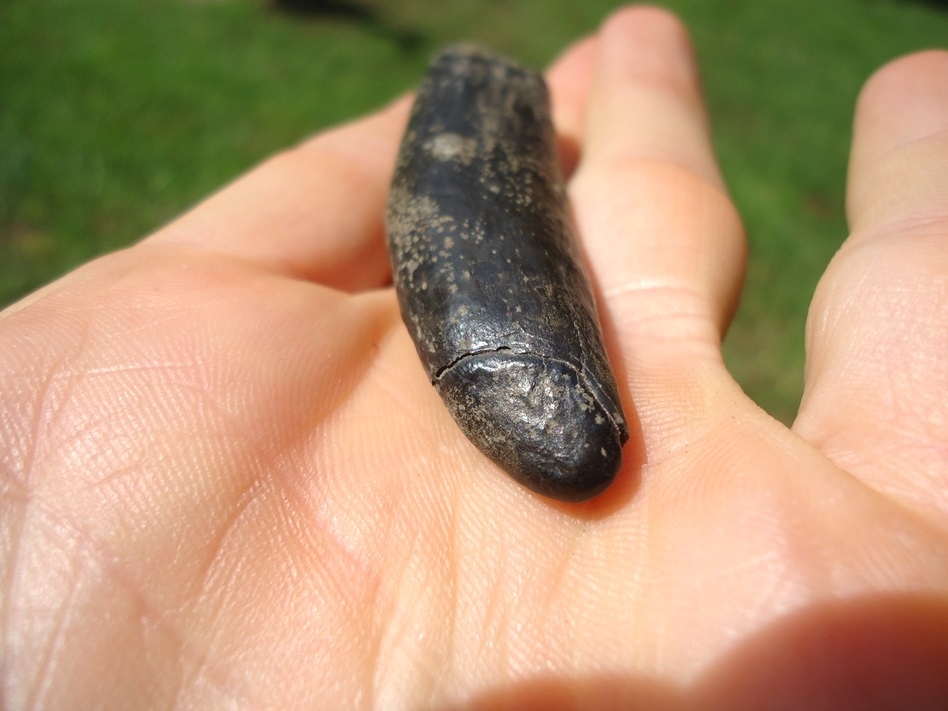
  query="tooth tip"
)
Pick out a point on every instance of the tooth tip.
point(535, 418)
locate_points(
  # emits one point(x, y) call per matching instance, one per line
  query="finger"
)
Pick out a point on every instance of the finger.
point(899, 119)
point(662, 238)
point(569, 77)
point(646, 99)
point(877, 334)
point(314, 212)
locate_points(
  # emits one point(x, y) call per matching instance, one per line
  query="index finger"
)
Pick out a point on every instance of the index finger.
point(312, 212)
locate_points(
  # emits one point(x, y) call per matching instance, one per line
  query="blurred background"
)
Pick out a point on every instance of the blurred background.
point(115, 115)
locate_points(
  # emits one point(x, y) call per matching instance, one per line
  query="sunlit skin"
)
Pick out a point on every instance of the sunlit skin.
point(227, 483)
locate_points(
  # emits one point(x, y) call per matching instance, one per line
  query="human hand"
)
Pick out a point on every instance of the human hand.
point(228, 483)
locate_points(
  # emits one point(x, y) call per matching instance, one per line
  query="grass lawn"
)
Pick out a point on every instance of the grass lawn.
point(115, 115)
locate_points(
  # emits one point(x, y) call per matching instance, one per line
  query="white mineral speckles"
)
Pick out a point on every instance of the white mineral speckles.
point(452, 146)
point(586, 401)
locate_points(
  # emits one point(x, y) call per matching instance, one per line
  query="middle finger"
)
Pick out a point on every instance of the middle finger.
point(661, 235)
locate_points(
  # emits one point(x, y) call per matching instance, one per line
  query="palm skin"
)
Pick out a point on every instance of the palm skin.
point(227, 482)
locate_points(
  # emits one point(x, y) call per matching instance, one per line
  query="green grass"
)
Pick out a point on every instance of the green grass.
point(115, 115)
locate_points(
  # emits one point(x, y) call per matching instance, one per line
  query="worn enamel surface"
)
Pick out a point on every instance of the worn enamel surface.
point(490, 280)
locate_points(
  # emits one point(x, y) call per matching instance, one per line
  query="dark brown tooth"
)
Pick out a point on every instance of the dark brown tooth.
point(490, 279)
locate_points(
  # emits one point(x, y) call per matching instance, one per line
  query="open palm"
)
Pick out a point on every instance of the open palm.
point(227, 483)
